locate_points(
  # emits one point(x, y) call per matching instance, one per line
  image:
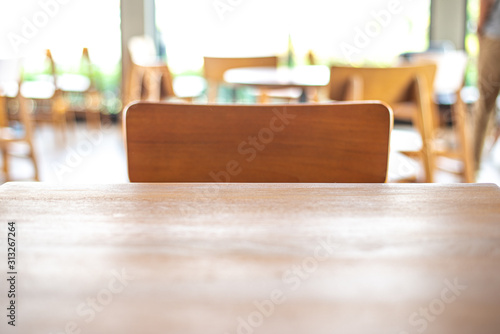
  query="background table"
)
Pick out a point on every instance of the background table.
point(309, 77)
point(206, 258)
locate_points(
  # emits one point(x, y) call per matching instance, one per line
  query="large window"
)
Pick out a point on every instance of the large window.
point(65, 27)
point(356, 31)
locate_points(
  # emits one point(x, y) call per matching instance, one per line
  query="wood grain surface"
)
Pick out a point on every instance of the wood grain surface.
point(342, 142)
point(254, 258)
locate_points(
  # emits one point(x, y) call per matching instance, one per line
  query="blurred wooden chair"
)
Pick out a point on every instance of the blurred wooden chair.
point(450, 77)
point(84, 86)
point(150, 78)
point(44, 89)
point(407, 89)
point(343, 142)
point(12, 137)
point(214, 68)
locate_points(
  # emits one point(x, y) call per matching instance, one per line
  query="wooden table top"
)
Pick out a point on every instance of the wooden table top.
point(282, 77)
point(253, 258)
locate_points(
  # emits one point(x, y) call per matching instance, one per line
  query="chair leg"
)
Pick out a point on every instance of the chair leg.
point(315, 95)
point(212, 91)
point(5, 161)
point(4, 119)
point(93, 109)
point(59, 126)
point(134, 85)
point(32, 156)
point(93, 119)
point(264, 97)
point(463, 135)
point(428, 165)
point(425, 124)
point(153, 85)
point(496, 136)
point(59, 111)
point(70, 121)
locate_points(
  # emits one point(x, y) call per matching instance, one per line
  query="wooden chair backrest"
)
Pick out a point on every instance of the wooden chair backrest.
point(87, 66)
point(340, 142)
point(214, 67)
point(391, 85)
point(147, 71)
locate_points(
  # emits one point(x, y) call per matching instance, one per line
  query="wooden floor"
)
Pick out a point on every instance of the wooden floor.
point(98, 156)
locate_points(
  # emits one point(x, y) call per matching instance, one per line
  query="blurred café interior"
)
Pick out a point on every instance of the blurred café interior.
point(250, 166)
point(69, 68)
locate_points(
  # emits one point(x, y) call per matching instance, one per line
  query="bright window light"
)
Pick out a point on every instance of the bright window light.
point(66, 27)
point(356, 31)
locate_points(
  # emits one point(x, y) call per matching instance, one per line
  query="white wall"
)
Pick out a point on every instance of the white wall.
point(448, 21)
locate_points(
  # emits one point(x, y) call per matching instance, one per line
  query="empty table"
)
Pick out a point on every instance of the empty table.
point(310, 77)
point(252, 258)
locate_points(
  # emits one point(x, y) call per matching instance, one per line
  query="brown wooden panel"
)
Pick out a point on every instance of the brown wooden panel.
point(391, 85)
point(345, 142)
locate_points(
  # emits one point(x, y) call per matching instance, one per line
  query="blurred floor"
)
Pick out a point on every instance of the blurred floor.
point(98, 156)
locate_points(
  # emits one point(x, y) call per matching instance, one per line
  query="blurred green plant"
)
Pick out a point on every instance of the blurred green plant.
point(471, 41)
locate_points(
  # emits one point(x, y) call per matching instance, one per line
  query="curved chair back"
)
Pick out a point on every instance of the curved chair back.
point(342, 142)
point(407, 89)
point(391, 84)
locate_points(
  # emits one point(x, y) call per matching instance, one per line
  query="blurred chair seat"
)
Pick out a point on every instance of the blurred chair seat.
point(38, 90)
point(9, 89)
